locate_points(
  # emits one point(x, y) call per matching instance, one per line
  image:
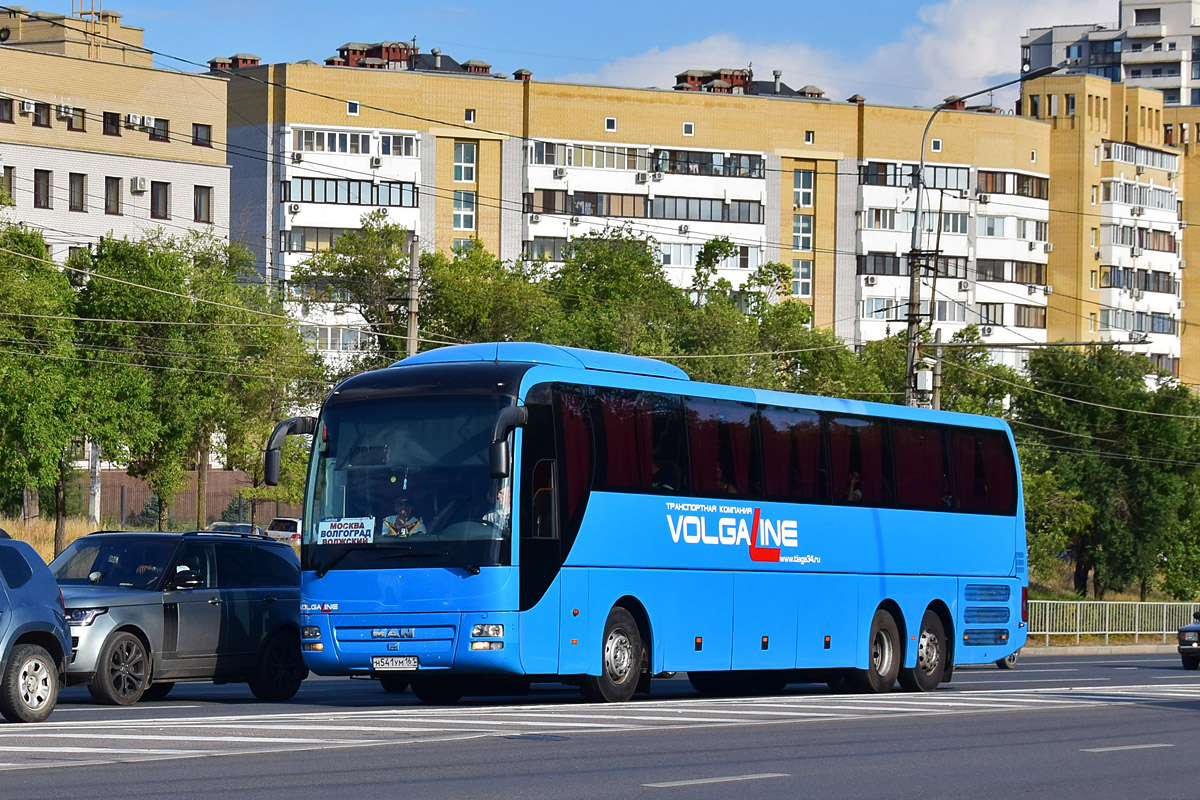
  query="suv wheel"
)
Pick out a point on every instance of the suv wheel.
point(280, 668)
point(30, 685)
point(122, 671)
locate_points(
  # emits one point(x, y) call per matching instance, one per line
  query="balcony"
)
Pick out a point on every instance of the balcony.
point(1152, 56)
point(1147, 30)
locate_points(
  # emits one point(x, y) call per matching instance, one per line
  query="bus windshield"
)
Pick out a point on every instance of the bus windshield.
point(403, 481)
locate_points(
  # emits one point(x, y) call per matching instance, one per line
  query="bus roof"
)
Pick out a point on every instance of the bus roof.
point(537, 353)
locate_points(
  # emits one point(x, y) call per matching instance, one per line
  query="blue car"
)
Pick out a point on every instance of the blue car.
point(35, 641)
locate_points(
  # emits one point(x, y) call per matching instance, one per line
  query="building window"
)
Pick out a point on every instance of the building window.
point(6, 181)
point(991, 226)
point(160, 200)
point(161, 132)
point(41, 188)
point(802, 188)
point(77, 121)
point(461, 246)
point(77, 200)
point(610, 124)
point(1035, 105)
point(1033, 156)
point(469, 116)
point(802, 232)
point(112, 195)
point(352, 108)
point(802, 277)
point(41, 115)
point(464, 162)
point(201, 135)
point(1092, 321)
point(1030, 316)
point(990, 313)
point(935, 145)
point(464, 211)
point(810, 137)
point(112, 123)
point(1092, 281)
point(689, 129)
point(203, 203)
point(6, 110)
point(1070, 105)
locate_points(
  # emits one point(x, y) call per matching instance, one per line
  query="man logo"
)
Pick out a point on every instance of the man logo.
point(392, 633)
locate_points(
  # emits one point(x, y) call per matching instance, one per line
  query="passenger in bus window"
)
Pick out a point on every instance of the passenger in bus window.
point(854, 491)
point(404, 522)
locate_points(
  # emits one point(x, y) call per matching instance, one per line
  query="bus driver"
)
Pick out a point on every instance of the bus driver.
point(403, 523)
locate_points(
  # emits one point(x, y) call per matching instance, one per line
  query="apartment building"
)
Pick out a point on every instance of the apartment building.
point(457, 154)
point(1116, 222)
point(92, 148)
point(1154, 44)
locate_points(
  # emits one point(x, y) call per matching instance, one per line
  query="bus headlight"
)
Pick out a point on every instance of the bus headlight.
point(488, 631)
point(310, 632)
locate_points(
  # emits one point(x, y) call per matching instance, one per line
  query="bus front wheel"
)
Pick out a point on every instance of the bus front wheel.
point(883, 657)
point(931, 657)
point(620, 661)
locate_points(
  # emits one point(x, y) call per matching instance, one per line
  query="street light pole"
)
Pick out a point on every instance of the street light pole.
point(916, 258)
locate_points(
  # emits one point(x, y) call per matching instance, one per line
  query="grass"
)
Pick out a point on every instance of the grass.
point(40, 532)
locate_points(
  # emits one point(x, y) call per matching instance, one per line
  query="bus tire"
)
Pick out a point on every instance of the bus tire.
point(883, 657)
point(1009, 661)
point(393, 684)
point(437, 691)
point(620, 661)
point(931, 657)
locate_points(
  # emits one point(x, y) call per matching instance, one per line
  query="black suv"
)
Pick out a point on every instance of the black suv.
point(149, 609)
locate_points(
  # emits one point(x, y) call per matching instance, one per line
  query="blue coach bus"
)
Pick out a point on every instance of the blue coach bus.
point(499, 513)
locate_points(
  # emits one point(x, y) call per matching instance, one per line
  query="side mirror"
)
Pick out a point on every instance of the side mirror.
point(187, 580)
point(274, 457)
point(498, 453)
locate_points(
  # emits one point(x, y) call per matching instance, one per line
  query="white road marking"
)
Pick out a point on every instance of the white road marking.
point(93, 750)
point(156, 737)
point(1125, 747)
point(728, 779)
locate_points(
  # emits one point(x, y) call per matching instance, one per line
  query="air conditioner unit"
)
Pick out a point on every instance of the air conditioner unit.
point(963, 286)
point(1137, 211)
point(26, 107)
point(133, 120)
point(1172, 175)
point(1048, 289)
point(1032, 288)
point(983, 198)
point(376, 162)
point(574, 220)
point(1048, 247)
point(534, 218)
point(1141, 169)
point(986, 330)
point(148, 121)
point(65, 111)
point(297, 157)
point(137, 184)
point(1136, 251)
point(1183, 303)
point(1032, 246)
point(293, 208)
point(642, 177)
point(560, 172)
point(1183, 265)
point(658, 176)
point(683, 229)
point(869, 280)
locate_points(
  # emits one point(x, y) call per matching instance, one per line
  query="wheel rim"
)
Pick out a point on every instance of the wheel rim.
point(882, 653)
point(127, 669)
point(37, 685)
point(929, 652)
point(618, 655)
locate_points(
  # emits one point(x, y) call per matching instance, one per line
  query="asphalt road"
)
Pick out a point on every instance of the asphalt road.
point(1109, 726)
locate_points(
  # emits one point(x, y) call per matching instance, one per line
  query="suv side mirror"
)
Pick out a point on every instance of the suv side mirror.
point(187, 580)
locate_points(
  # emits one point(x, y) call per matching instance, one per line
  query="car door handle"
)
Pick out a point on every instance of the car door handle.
point(214, 601)
point(270, 599)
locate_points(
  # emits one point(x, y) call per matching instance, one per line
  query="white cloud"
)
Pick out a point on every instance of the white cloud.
point(955, 47)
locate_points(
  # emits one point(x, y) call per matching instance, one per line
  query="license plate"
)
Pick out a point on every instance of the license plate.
point(393, 662)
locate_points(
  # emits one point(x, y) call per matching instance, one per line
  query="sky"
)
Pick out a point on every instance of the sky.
point(893, 52)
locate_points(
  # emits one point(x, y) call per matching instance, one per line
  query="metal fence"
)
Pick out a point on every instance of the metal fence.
point(1093, 619)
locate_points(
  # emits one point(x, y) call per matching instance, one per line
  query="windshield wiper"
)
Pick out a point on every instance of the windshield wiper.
point(322, 570)
point(471, 568)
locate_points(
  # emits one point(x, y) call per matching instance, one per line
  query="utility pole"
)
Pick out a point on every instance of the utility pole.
point(937, 371)
point(414, 267)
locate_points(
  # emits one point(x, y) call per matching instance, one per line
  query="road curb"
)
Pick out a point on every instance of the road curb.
point(1096, 650)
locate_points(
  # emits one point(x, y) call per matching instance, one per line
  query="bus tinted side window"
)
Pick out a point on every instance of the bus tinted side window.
point(922, 473)
point(857, 467)
point(719, 443)
point(643, 442)
point(984, 472)
point(575, 455)
point(792, 455)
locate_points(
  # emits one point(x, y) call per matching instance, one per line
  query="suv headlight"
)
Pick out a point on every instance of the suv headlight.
point(84, 616)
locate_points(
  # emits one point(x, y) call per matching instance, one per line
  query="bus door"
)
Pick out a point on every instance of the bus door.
point(539, 552)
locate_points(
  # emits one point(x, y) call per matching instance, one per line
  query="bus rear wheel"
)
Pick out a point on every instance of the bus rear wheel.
point(437, 691)
point(931, 657)
point(621, 658)
point(883, 658)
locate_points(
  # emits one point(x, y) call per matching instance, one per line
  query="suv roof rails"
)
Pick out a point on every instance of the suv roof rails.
point(227, 533)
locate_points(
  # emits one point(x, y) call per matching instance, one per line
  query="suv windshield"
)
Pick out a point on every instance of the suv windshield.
point(134, 562)
point(403, 481)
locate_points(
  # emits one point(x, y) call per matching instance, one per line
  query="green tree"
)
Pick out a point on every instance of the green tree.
point(1054, 517)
